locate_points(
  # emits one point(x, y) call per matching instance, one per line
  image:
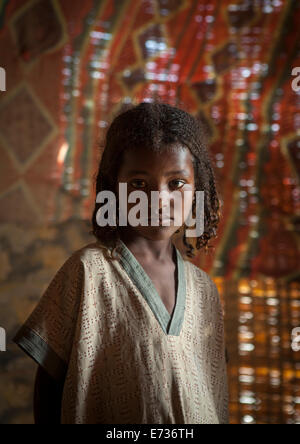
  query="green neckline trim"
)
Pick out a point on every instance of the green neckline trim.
point(171, 325)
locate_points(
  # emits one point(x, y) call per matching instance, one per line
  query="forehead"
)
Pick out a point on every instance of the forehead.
point(173, 156)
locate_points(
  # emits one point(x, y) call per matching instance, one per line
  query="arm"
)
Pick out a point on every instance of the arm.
point(47, 398)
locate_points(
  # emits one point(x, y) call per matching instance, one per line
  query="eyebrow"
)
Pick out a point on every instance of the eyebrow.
point(169, 173)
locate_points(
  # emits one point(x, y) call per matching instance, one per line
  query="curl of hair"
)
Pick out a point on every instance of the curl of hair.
point(157, 126)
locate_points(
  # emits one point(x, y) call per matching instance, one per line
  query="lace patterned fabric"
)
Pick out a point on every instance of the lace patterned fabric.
point(96, 329)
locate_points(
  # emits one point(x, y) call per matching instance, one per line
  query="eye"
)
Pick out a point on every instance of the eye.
point(176, 183)
point(138, 183)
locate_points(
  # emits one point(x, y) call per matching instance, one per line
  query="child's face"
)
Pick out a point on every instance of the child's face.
point(169, 171)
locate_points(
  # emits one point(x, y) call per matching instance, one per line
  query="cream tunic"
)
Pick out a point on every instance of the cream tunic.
point(103, 327)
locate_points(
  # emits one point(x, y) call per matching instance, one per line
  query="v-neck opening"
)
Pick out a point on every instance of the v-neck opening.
point(171, 324)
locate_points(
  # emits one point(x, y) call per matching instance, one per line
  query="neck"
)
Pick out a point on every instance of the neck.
point(158, 250)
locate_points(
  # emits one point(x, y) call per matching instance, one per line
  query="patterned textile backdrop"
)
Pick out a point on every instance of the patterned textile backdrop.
point(67, 67)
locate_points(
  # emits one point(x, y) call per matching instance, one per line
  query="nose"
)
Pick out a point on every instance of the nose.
point(160, 202)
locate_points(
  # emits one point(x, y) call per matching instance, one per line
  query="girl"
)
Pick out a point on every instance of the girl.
point(129, 330)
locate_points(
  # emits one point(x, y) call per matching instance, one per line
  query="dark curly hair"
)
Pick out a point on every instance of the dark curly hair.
point(156, 125)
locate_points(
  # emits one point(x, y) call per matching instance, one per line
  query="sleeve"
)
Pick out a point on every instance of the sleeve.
point(219, 366)
point(47, 334)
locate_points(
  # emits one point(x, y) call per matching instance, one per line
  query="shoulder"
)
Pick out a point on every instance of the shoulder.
point(89, 253)
point(199, 274)
point(206, 297)
point(73, 270)
point(202, 282)
point(89, 262)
